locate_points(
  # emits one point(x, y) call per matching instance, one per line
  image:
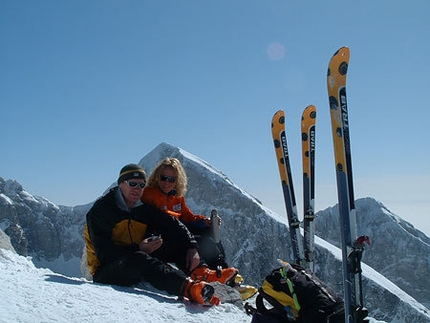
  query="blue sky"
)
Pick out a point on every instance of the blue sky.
point(88, 86)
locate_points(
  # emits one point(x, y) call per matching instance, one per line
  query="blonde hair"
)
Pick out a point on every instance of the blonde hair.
point(181, 176)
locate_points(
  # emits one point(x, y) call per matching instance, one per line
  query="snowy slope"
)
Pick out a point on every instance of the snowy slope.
point(30, 294)
point(37, 295)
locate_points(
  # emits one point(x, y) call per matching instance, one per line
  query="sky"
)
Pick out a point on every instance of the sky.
point(89, 86)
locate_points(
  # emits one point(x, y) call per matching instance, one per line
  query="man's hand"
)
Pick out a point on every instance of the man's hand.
point(149, 245)
point(192, 259)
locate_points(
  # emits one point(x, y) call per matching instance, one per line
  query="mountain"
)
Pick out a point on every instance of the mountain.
point(52, 235)
point(253, 236)
point(398, 251)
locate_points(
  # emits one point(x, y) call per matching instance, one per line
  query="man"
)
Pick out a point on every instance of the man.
point(121, 251)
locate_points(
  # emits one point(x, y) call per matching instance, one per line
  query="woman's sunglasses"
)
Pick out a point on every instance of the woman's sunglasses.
point(170, 179)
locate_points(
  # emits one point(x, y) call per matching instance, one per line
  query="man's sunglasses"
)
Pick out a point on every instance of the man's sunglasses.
point(136, 184)
point(170, 179)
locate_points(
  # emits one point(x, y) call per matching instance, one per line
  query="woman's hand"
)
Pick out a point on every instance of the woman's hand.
point(208, 222)
point(149, 245)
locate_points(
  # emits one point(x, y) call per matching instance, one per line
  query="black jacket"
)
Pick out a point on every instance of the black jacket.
point(112, 233)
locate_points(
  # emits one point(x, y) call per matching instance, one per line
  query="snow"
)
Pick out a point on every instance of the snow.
point(6, 198)
point(31, 294)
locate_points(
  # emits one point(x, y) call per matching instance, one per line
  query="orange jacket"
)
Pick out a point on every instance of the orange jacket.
point(175, 205)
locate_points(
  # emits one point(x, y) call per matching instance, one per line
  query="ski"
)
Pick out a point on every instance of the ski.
point(308, 159)
point(352, 246)
point(282, 156)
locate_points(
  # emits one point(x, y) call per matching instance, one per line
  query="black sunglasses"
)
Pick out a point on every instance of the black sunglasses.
point(135, 184)
point(170, 179)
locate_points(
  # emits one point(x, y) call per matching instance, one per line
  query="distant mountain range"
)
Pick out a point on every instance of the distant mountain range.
point(397, 274)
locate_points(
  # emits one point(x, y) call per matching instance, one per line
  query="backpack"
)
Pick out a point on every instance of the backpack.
point(296, 295)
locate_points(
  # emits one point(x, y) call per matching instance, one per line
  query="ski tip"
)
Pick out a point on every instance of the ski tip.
point(338, 66)
point(278, 113)
point(342, 54)
point(310, 111)
point(278, 117)
point(342, 51)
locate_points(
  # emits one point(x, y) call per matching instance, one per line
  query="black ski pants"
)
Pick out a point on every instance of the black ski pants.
point(211, 253)
point(139, 266)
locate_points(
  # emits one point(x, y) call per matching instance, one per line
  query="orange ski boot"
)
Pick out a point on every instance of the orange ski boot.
point(223, 276)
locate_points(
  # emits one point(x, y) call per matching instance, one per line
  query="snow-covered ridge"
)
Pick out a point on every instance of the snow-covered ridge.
point(217, 175)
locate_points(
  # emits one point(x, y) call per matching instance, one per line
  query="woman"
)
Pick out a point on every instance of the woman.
point(166, 189)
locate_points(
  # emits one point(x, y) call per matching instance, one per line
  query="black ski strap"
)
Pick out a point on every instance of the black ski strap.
point(249, 309)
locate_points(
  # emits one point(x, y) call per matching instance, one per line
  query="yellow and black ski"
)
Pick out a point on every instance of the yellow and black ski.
point(282, 157)
point(308, 159)
point(352, 246)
